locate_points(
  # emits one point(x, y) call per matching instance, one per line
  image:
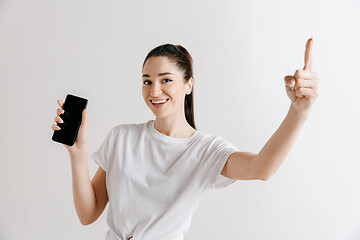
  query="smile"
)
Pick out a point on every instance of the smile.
point(159, 104)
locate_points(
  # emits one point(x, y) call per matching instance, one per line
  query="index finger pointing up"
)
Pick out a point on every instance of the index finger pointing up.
point(309, 55)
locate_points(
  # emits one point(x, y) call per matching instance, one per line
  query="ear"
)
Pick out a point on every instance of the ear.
point(189, 86)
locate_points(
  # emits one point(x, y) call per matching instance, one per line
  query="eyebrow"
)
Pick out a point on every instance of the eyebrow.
point(160, 74)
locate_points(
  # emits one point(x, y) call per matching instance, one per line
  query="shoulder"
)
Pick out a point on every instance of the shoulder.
point(218, 146)
point(211, 138)
point(125, 128)
point(213, 142)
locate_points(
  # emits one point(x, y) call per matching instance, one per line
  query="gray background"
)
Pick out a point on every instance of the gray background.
point(242, 50)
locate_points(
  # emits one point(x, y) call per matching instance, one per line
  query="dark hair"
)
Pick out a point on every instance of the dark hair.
point(182, 58)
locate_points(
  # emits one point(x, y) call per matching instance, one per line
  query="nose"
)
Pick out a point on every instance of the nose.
point(155, 90)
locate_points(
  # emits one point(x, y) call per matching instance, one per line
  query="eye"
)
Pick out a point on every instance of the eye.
point(150, 81)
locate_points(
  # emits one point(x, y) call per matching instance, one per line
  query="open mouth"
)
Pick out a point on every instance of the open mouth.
point(158, 104)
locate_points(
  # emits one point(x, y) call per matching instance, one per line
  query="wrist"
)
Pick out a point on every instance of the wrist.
point(298, 114)
point(78, 154)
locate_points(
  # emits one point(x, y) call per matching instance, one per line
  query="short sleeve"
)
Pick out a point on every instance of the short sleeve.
point(221, 151)
point(101, 155)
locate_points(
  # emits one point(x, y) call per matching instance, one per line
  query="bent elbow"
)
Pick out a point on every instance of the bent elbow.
point(86, 222)
point(264, 178)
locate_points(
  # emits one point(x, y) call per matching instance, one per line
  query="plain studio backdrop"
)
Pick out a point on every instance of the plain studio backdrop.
point(242, 51)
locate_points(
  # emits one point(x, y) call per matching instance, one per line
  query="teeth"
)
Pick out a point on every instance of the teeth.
point(156, 102)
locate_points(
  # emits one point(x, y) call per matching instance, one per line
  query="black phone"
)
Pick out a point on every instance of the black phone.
point(72, 116)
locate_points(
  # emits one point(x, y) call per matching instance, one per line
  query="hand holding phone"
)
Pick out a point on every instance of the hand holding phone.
point(71, 123)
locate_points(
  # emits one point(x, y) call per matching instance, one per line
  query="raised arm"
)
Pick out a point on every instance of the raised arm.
point(302, 89)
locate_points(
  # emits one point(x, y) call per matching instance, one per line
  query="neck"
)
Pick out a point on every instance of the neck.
point(174, 126)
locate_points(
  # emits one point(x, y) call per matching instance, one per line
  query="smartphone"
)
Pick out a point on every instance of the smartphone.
point(72, 116)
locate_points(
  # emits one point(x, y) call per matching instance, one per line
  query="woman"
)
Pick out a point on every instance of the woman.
point(153, 174)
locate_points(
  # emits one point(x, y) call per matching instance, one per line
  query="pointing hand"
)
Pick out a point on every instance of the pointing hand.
point(303, 87)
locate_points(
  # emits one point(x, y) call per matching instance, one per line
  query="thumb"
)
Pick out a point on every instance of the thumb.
point(289, 81)
point(84, 117)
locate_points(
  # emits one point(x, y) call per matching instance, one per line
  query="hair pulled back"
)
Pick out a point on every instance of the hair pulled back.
point(181, 57)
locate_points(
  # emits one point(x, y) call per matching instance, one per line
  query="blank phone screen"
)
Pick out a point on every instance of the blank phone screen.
point(72, 117)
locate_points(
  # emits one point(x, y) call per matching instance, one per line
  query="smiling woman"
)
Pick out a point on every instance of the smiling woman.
point(154, 173)
point(168, 76)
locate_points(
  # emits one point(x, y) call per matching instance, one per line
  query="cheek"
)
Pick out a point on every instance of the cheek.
point(180, 94)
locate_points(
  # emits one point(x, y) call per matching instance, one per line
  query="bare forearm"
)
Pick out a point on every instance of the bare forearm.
point(83, 192)
point(275, 151)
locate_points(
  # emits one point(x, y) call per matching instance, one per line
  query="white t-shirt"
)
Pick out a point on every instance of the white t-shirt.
point(155, 182)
